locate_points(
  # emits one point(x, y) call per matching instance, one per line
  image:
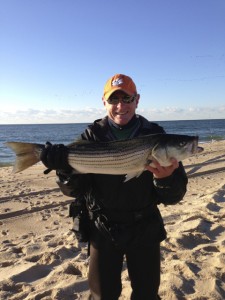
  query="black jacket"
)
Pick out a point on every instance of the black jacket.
point(138, 194)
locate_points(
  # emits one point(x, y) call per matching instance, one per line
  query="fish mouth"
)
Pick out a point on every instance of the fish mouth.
point(195, 147)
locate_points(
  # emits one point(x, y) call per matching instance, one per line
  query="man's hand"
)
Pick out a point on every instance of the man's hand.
point(162, 172)
point(55, 157)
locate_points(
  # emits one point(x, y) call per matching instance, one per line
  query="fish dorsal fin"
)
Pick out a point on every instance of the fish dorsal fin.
point(80, 142)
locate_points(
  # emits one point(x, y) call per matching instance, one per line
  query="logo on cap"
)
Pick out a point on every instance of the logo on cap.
point(117, 81)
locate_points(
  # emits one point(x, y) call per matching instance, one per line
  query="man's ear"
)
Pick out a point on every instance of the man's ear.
point(137, 99)
point(104, 101)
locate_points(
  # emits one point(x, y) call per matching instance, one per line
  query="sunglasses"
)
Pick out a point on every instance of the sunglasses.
point(126, 99)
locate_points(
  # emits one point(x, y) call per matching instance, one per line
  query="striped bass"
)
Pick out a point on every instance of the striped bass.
point(123, 157)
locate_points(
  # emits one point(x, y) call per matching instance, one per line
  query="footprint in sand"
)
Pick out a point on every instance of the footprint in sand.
point(32, 274)
point(72, 270)
point(44, 259)
point(213, 207)
point(4, 232)
point(212, 249)
point(48, 237)
point(33, 258)
point(192, 240)
point(6, 264)
point(33, 249)
point(17, 250)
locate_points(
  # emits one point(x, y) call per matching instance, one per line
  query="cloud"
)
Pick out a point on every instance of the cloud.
point(34, 116)
point(87, 115)
point(179, 113)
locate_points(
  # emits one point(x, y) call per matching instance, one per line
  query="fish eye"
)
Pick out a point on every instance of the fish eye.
point(182, 144)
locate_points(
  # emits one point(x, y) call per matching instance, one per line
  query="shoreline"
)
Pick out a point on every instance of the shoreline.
point(40, 257)
point(5, 165)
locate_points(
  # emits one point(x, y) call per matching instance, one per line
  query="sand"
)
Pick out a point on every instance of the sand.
point(40, 257)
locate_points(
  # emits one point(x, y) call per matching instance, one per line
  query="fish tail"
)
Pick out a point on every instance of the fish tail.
point(27, 154)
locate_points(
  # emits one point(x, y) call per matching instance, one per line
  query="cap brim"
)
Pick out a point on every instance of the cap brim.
point(114, 89)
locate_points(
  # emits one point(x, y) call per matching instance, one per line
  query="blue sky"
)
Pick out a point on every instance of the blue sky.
point(56, 55)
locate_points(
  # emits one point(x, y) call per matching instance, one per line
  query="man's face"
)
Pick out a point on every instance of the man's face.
point(121, 113)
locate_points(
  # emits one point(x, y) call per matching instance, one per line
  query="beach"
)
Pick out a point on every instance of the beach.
point(40, 257)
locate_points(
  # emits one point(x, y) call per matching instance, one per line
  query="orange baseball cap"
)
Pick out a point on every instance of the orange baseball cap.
point(119, 82)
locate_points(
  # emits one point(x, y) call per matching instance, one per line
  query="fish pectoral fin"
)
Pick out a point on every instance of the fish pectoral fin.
point(132, 175)
point(149, 159)
point(149, 162)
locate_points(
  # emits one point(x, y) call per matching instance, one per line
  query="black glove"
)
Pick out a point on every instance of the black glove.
point(55, 157)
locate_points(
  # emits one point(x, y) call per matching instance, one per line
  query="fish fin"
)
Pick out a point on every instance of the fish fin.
point(80, 142)
point(132, 175)
point(27, 154)
point(149, 162)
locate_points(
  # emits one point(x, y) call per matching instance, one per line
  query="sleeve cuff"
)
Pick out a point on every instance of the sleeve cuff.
point(163, 183)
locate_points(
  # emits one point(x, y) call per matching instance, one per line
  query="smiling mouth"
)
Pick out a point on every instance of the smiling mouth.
point(122, 114)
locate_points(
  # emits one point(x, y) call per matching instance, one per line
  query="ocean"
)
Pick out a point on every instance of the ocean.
point(207, 130)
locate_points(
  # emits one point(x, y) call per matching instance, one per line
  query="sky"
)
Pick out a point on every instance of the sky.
point(56, 56)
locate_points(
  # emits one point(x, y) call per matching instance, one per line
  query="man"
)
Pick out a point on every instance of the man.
point(124, 220)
